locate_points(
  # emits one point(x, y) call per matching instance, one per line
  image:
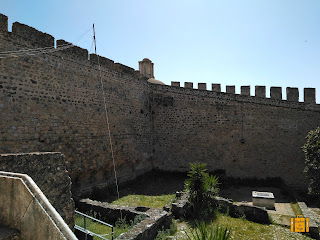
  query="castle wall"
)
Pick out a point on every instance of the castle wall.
point(53, 102)
point(245, 136)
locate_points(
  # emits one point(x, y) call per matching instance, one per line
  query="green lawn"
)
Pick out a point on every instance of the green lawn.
point(100, 228)
point(143, 200)
point(242, 229)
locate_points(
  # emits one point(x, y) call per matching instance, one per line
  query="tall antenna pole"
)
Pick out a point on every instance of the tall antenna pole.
point(107, 118)
point(94, 39)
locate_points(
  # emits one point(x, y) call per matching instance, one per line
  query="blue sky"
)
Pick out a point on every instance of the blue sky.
point(232, 42)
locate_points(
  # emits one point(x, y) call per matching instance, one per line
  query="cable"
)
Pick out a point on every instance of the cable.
point(107, 118)
point(34, 51)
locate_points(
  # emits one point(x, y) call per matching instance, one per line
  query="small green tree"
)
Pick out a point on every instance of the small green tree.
point(311, 151)
point(200, 186)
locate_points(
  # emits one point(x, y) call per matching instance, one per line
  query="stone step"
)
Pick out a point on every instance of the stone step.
point(7, 233)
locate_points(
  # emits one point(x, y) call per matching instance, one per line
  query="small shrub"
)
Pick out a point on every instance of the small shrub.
point(311, 151)
point(201, 187)
point(162, 234)
point(203, 232)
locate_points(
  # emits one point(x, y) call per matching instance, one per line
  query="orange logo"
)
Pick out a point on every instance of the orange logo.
point(299, 224)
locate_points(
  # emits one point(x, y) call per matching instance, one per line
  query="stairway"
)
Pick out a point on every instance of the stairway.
point(9, 233)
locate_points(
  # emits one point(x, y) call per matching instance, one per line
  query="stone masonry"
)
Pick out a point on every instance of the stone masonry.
point(53, 102)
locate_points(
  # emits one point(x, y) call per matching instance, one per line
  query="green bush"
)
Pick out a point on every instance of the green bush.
point(311, 151)
point(203, 232)
point(164, 233)
point(201, 187)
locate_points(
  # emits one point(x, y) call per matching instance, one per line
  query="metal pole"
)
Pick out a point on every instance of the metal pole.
point(85, 227)
point(112, 233)
point(94, 39)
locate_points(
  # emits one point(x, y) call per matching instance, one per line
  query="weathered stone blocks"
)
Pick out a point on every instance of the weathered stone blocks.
point(188, 85)
point(216, 87)
point(231, 89)
point(292, 94)
point(245, 90)
point(104, 62)
point(252, 213)
point(123, 68)
point(175, 84)
point(76, 51)
point(310, 95)
point(3, 23)
point(276, 93)
point(37, 37)
point(260, 91)
point(202, 86)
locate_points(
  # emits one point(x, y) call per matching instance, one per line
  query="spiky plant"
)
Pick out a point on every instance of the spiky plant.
point(204, 232)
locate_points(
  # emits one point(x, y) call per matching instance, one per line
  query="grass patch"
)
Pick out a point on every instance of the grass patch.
point(279, 219)
point(296, 209)
point(243, 229)
point(143, 200)
point(121, 226)
point(96, 227)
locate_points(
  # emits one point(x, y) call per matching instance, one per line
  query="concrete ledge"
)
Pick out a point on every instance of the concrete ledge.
point(26, 208)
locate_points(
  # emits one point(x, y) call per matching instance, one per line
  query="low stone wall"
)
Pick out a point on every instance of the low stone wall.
point(147, 229)
point(251, 213)
point(181, 209)
point(106, 212)
point(48, 171)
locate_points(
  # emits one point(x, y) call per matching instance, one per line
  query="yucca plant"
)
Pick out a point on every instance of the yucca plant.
point(204, 232)
point(201, 187)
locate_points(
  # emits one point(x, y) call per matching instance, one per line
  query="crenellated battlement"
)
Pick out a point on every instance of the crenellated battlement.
point(310, 95)
point(53, 101)
point(37, 37)
point(188, 85)
point(75, 51)
point(33, 37)
point(245, 90)
point(230, 89)
point(292, 94)
point(3, 23)
point(202, 86)
point(276, 93)
point(106, 62)
point(123, 68)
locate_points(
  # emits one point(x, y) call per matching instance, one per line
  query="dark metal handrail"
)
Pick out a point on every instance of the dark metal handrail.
point(86, 231)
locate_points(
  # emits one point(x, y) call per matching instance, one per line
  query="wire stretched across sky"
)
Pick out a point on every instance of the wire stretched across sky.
point(43, 50)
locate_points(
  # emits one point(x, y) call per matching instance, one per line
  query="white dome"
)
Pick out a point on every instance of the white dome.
point(154, 81)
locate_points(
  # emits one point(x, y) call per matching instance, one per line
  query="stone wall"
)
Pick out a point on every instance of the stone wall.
point(245, 136)
point(54, 102)
point(48, 171)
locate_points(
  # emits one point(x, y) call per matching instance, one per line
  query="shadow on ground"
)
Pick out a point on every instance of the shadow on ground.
point(154, 183)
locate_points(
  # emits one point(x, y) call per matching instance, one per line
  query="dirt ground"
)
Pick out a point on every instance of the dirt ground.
point(154, 183)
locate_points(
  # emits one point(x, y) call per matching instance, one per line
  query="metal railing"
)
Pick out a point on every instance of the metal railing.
point(86, 231)
point(43, 202)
